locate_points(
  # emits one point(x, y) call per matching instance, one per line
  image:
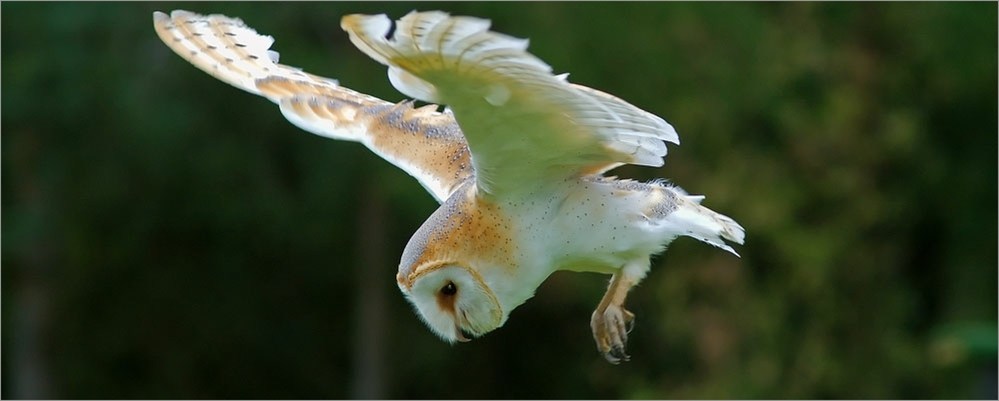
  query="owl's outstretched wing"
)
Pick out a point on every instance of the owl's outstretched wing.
point(525, 126)
point(425, 143)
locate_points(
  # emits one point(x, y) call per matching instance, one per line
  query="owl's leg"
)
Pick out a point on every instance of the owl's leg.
point(611, 322)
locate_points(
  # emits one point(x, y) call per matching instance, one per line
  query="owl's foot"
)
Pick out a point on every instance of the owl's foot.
point(610, 330)
point(611, 323)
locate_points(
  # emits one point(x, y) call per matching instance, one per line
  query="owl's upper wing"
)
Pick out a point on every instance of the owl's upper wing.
point(425, 143)
point(525, 127)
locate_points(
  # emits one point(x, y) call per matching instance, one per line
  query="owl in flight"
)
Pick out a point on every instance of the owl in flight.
point(517, 161)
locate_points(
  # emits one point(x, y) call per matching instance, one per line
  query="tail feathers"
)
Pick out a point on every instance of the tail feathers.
point(731, 230)
point(699, 222)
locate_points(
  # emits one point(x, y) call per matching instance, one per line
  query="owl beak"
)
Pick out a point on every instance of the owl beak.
point(459, 335)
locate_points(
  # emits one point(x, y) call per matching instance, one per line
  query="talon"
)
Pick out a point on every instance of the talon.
point(600, 334)
point(629, 319)
point(611, 332)
point(619, 354)
point(611, 323)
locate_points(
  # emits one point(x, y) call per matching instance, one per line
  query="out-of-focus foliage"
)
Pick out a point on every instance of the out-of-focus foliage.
point(168, 236)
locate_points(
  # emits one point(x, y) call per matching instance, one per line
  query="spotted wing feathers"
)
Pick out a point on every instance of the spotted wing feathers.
point(425, 143)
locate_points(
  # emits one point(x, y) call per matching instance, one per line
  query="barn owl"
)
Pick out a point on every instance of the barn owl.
point(517, 161)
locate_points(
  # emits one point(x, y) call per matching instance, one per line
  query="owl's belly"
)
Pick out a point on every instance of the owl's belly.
point(598, 226)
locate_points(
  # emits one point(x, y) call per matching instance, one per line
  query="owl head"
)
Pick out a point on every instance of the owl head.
point(453, 300)
point(455, 287)
point(460, 269)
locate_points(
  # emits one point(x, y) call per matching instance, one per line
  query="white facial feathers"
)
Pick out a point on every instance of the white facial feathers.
point(452, 299)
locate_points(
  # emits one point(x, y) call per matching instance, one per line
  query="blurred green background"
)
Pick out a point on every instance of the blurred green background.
point(168, 236)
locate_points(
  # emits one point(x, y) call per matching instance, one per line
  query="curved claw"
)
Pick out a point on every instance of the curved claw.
point(616, 355)
point(611, 333)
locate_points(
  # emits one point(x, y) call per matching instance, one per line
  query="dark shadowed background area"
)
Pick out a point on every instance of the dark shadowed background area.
point(168, 236)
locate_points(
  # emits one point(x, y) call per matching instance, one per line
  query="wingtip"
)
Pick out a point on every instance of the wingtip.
point(182, 14)
point(354, 22)
point(349, 21)
point(671, 135)
point(159, 16)
point(368, 33)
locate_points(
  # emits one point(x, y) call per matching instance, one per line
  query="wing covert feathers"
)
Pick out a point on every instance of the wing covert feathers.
point(425, 143)
point(508, 100)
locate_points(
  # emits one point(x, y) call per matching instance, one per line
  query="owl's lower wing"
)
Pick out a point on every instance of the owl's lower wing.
point(425, 143)
point(525, 127)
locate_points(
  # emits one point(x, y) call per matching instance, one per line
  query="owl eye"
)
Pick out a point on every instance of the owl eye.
point(449, 289)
